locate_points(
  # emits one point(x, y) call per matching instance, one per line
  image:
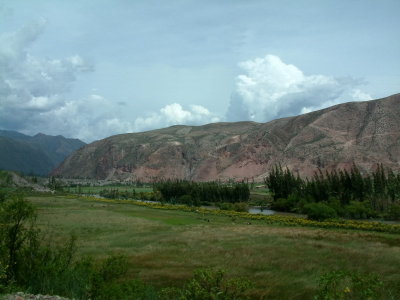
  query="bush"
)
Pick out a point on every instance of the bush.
point(334, 203)
point(5, 178)
point(108, 282)
point(17, 218)
point(3, 276)
point(209, 285)
point(225, 206)
point(338, 285)
point(358, 210)
point(319, 211)
point(3, 196)
point(293, 203)
point(393, 212)
point(186, 199)
point(282, 204)
point(240, 207)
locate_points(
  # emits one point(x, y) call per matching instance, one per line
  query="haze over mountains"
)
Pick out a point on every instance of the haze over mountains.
point(37, 154)
point(365, 133)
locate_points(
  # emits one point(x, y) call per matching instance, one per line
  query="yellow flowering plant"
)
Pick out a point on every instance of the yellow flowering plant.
point(270, 219)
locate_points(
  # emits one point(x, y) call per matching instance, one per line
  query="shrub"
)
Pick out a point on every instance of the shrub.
point(5, 178)
point(282, 204)
point(393, 212)
point(207, 284)
point(16, 218)
point(3, 272)
point(293, 203)
point(319, 211)
point(108, 282)
point(358, 210)
point(338, 285)
point(334, 203)
point(225, 206)
point(3, 196)
point(186, 199)
point(240, 207)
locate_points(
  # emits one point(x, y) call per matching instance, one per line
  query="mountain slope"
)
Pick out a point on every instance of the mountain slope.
point(19, 155)
point(56, 147)
point(38, 155)
point(362, 132)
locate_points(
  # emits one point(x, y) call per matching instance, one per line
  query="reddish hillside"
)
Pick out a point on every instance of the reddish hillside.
point(366, 133)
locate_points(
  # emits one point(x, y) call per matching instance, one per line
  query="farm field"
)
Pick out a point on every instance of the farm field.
point(166, 246)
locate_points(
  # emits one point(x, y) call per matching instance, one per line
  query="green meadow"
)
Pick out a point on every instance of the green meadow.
point(166, 246)
point(98, 189)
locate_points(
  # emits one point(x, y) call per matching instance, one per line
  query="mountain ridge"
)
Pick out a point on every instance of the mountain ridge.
point(365, 133)
point(38, 154)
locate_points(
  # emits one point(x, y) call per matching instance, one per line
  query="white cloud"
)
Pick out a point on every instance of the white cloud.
point(34, 96)
point(271, 89)
point(33, 93)
point(174, 114)
point(359, 95)
point(89, 119)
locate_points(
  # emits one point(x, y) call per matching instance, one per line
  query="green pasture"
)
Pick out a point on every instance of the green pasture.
point(97, 189)
point(166, 246)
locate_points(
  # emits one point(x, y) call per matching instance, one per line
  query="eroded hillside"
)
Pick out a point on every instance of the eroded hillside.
point(366, 133)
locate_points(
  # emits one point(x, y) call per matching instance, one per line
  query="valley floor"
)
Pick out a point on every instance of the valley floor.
point(166, 246)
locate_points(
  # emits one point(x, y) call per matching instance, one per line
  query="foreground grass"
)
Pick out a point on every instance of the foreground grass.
point(165, 246)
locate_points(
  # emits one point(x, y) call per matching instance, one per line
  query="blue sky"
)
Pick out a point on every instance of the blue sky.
point(94, 68)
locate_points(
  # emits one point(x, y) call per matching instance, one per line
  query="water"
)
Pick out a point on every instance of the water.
point(260, 210)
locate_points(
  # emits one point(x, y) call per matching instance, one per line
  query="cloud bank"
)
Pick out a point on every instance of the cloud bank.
point(270, 88)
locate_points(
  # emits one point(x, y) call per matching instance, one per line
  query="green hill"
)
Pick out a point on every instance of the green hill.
point(36, 155)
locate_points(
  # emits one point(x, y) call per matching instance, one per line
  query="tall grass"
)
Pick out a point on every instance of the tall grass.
point(164, 247)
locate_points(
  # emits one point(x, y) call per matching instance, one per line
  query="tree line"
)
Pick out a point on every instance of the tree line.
point(338, 192)
point(197, 193)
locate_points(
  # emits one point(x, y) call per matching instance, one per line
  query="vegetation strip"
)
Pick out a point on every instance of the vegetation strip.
point(271, 219)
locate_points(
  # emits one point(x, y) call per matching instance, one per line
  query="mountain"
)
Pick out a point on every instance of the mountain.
point(37, 155)
point(57, 147)
point(365, 133)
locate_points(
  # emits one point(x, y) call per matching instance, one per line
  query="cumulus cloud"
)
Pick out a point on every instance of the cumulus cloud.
point(91, 118)
point(173, 114)
point(270, 88)
point(33, 92)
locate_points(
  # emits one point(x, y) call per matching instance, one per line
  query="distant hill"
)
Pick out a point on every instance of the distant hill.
point(366, 133)
point(37, 154)
point(11, 179)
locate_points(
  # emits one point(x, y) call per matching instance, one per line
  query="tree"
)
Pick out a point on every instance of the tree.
point(17, 218)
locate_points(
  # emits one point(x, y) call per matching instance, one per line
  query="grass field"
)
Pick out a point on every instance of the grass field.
point(97, 189)
point(165, 246)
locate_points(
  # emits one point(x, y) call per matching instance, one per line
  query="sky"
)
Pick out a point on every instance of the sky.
point(94, 68)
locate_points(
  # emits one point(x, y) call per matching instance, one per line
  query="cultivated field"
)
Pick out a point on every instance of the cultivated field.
point(166, 246)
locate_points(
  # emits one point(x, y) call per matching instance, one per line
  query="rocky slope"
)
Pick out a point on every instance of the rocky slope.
point(366, 133)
